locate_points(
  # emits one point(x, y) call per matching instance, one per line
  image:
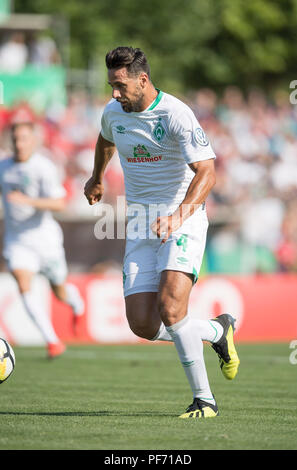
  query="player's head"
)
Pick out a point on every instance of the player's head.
point(129, 76)
point(23, 140)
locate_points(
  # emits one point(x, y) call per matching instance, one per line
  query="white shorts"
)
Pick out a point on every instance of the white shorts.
point(53, 265)
point(146, 258)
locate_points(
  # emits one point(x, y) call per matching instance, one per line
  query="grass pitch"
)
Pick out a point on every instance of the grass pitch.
point(129, 397)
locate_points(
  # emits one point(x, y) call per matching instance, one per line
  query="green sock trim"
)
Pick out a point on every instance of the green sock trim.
point(214, 329)
point(188, 364)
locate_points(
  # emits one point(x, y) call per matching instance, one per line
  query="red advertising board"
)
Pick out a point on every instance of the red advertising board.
point(265, 307)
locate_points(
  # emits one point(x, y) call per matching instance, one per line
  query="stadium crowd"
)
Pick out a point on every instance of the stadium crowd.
point(254, 202)
point(19, 49)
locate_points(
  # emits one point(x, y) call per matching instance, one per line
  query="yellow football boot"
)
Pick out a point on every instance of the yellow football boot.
point(200, 409)
point(225, 349)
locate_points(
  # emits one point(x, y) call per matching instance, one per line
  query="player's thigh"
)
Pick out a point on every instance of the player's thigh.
point(179, 262)
point(23, 262)
point(173, 297)
point(183, 252)
point(23, 279)
point(142, 314)
point(139, 266)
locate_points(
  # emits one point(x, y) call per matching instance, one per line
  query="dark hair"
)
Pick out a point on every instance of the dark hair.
point(14, 126)
point(133, 59)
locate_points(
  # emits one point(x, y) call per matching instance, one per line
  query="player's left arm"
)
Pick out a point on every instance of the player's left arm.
point(198, 190)
point(39, 203)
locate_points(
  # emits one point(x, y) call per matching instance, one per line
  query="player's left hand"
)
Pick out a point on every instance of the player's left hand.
point(165, 225)
point(17, 197)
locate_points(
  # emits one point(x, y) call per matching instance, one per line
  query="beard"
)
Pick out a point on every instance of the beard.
point(136, 104)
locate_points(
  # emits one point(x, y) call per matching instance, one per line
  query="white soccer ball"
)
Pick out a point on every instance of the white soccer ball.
point(7, 360)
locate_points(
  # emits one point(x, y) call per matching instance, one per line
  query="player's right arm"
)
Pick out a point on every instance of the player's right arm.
point(94, 188)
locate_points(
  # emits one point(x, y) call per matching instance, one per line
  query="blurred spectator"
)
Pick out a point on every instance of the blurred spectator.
point(75, 122)
point(256, 145)
point(286, 251)
point(78, 171)
point(13, 54)
point(20, 49)
point(43, 52)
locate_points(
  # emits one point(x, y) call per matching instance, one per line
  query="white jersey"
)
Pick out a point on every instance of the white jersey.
point(155, 147)
point(37, 178)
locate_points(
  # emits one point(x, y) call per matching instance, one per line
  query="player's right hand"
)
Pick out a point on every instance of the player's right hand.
point(93, 191)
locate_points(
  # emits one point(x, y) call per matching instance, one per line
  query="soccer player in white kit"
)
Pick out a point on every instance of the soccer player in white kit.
point(33, 240)
point(167, 161)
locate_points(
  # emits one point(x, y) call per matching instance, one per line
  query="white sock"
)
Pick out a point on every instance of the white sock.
point(190, 350)
point(74, 299)
point(39, 317)
point(162, 334)
point(209, 330)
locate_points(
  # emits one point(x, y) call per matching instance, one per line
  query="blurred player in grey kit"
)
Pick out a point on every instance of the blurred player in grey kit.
point(33, 239)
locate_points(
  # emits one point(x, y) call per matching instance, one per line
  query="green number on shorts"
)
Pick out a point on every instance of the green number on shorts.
point(183, 241)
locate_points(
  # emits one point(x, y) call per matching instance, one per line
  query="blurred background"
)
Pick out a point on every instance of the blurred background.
point(231, 61)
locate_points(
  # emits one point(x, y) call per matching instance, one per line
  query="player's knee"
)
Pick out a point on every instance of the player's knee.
point(59, 292)
point(23, 281)
point(169, 310)
point(141, 328)
point(142, 333)
point(23, 285)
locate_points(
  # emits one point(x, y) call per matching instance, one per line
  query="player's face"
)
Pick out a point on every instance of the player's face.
point(127, 89)
point(23, 139)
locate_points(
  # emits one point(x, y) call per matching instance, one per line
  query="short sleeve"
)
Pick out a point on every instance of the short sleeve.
point(106, 131)
point(192, 140)
point(51, 186)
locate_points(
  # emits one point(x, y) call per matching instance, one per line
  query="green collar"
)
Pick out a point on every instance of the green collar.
point(157, 100)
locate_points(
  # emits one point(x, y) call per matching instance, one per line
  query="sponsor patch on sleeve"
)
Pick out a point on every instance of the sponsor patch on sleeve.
point(200, 137)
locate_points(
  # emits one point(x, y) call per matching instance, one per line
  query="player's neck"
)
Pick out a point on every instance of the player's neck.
point(150, 97)
point(22, 158)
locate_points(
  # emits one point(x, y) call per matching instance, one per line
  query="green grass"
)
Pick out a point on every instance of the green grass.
point(129, 397)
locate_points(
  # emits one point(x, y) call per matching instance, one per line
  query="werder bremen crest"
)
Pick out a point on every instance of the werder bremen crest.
point(159, 130)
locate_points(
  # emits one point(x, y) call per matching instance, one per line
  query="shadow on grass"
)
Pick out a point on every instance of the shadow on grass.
point(87, 413)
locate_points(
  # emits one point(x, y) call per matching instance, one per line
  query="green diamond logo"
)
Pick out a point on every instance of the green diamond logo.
point(120, 129)
point(141, 151)
point(159, 131)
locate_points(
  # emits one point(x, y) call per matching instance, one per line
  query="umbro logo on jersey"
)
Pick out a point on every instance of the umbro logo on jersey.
point(120, 129)
point(182, 260)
